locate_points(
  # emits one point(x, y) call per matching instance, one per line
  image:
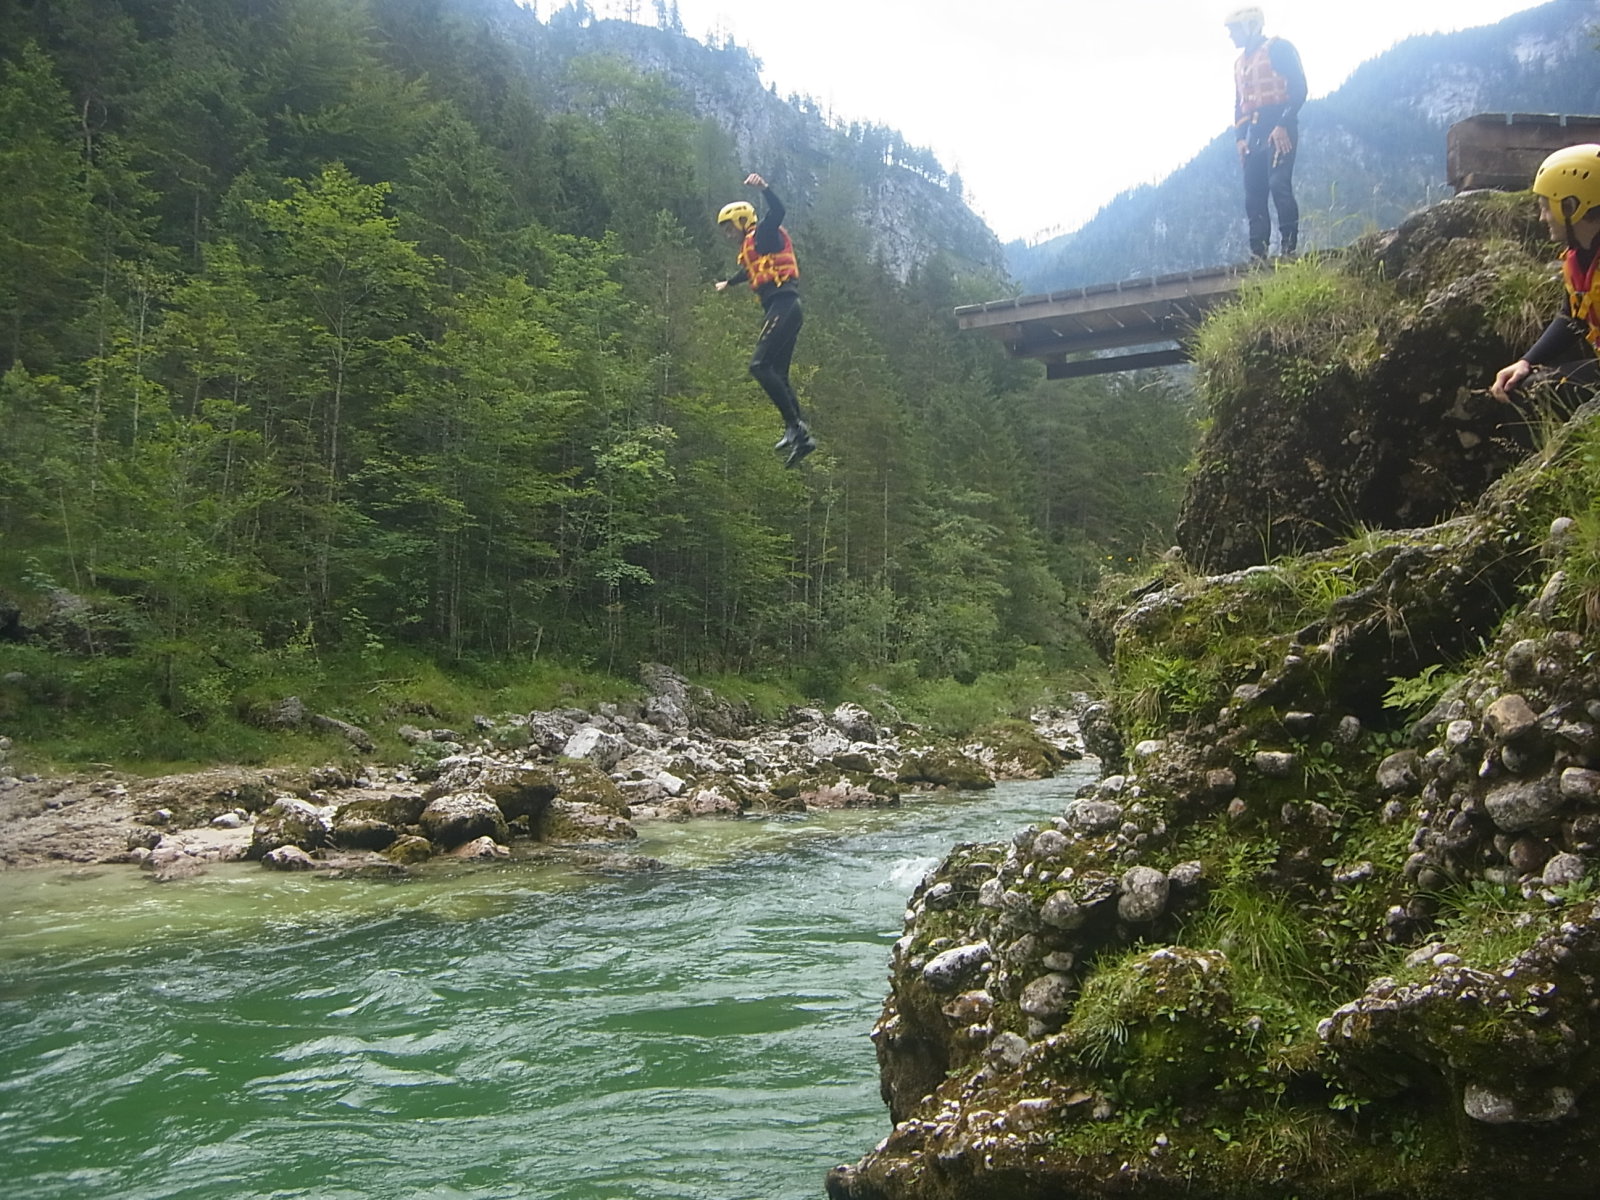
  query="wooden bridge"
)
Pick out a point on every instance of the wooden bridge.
point(1057, 326)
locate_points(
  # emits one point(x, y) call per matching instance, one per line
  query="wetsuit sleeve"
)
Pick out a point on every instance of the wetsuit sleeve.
point(1286, 62)
point(739, 276)
point(1558, 341)
point(769, 237)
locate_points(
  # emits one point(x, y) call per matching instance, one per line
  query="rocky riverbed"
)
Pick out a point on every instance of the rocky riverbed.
point(567, 783)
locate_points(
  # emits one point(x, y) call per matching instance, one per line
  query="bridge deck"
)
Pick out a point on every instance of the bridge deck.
point(1111, 316)
point(1495, 150)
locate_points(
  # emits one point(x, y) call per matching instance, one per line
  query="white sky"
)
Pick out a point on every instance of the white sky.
point(1048, 108)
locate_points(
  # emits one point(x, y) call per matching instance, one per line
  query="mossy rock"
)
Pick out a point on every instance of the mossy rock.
point(882, 785)
point(789, 787)
point(395, 809)
point(463, 817)
point(409, 849)
point(362, 833)
point(581, 782)
point(1018, 751)
point(521, 791)
point(568, 822)
point(1159, 1026)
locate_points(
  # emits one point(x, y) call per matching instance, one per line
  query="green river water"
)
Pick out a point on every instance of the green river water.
point(695, 1033)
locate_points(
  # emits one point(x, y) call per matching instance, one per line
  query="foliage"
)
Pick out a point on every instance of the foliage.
point(384, 326)
point(68, 712)
point(1417, 694)
point(956, 708)
point(1524, 294)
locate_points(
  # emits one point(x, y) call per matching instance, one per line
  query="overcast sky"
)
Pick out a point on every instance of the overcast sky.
point(1049, 108)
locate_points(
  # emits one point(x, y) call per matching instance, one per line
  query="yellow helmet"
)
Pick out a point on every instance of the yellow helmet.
point(741, 214)
point(1248, 15)
point(1570, 180)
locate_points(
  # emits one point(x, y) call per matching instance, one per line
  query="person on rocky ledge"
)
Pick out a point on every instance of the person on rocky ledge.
point(768, 264)
point(1269, 88)
point(1568, 187)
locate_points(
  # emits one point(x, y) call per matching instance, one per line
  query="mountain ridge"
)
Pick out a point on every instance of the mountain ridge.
point(1374, 151)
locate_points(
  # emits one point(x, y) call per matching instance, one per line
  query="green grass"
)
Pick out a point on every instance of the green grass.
point(155, 713)
point(1488, 924)
point(1298, 320)
point(768, 696)
point(951, 708)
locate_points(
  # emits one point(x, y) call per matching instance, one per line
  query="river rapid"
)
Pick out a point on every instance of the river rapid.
point(510, 1030)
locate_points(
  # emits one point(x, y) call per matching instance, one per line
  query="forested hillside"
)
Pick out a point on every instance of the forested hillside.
point(1373, 151)
point(334, 325)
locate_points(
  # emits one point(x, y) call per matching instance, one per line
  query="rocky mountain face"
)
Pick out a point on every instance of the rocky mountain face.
point(1328, 925)
point(1373, 151)
point(908, 206)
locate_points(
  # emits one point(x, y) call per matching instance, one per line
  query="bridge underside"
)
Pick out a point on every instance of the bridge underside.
point(1072, 330)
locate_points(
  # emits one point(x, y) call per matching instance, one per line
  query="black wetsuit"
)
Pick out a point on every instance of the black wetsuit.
point(1266, 172)
point(780, 328)
point(1562, 355)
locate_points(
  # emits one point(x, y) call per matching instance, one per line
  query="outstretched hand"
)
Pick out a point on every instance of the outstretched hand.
point(754, 180)
point(1508, 379)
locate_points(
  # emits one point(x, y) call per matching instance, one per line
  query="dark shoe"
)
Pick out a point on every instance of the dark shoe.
point(803, 446)
point(791, 435)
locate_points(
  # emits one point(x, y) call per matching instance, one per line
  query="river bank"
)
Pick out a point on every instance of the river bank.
point(561, 782)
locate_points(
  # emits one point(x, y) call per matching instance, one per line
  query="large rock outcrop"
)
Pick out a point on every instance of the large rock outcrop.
point(1360, 399)
point(1330, 928)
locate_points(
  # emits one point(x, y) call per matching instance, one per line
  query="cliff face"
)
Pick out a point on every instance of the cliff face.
point(1351, 393)
point(909, 208)
point(1332, 930)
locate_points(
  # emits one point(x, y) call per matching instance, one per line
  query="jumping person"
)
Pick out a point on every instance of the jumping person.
point(1269, 88)
point(767, 263)
point(1568, 187)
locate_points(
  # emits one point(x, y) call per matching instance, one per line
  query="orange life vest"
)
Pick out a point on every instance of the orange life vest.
point(764, 269)
point(1258, 83)
point(1582, 300)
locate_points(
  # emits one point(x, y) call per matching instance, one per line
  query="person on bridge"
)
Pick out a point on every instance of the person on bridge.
point(1568, 186)
point(1269, 88)
point(768, 264)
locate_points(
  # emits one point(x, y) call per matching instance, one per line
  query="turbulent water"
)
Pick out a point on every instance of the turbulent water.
point(698, 1032)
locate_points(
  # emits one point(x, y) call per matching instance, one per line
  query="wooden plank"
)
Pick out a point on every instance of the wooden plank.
point(1503, 150)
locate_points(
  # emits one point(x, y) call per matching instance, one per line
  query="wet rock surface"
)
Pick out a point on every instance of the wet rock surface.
point(525, 782)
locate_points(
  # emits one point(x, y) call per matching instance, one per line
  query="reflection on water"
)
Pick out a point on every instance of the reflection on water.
point(500, 1030)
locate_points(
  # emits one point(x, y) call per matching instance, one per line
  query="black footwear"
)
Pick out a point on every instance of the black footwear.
point(803, 446)
point(795, 431)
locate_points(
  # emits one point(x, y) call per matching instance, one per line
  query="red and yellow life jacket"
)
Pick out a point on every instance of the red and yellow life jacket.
point(1582, 300)
point(764, 269)
point(1258, 83)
